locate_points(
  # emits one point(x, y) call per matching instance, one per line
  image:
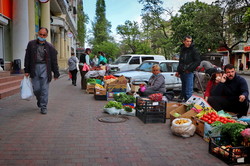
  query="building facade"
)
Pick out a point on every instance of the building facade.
point(20, 21)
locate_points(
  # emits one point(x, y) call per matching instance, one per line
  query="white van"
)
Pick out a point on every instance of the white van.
point(132, 61)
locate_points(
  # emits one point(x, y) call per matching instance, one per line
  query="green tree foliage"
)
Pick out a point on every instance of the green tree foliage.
point(156, 29)
point(198, 20)
point(130, 34)
point(111, 49)
point(101, 26)
point(234, 23)
point(81, 25)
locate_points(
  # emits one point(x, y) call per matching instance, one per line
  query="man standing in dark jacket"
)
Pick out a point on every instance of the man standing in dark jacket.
point(40, 60)
point(231, 94)
point(188, 61)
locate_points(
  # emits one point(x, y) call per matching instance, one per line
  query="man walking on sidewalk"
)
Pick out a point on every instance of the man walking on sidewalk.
point(40, 60)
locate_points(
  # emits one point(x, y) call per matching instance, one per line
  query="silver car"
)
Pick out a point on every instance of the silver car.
point(144, 72)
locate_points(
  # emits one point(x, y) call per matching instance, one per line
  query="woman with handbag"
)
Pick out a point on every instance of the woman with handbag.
point(84, 66)
point(73, 66)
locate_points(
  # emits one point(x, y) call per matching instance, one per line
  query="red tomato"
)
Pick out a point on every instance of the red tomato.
point(209, 121)
point(205, 119)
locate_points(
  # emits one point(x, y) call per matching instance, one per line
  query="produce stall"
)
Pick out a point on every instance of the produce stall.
point(228, 137)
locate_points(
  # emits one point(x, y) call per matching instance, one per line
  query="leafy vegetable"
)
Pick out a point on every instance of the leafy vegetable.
point(128, 109)
point(231, 132)
point(216, 123)
point(115, 104)
point(91, 81)
point(124, 98)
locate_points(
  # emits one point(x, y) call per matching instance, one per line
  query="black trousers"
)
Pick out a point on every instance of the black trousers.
point(74, 76)
point(83, 80)
point(221, 103)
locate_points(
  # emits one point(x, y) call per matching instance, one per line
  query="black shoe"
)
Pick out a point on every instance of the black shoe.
point(43, 110)
point(74, 84)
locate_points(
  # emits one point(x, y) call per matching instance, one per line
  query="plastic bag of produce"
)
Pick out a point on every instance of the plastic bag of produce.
point(112, 111)
point(183, 127)
point(132, 113)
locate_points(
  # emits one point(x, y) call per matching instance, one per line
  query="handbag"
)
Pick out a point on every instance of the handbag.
point(26, 89)
point(85, 67)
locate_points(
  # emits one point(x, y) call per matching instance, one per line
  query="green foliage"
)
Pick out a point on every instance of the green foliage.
point(124, 98)
point(199, 20)
point(115, 104)
point(128, 109)
point(101, 26)
point(130, 34)
point(111, 49)
point(231, 132)
point(81, 25)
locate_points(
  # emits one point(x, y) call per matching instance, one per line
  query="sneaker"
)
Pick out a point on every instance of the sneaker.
point(43, 110)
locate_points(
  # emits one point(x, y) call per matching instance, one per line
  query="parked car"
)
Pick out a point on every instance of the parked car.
point(144, 72)
point(132, 61)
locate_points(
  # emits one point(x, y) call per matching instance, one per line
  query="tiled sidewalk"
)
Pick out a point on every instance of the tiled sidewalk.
point(71, 135)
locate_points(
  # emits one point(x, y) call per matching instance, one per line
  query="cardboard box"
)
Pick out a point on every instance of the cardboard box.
point(117, 85)
point(100, 91)
point(183, 111)
point(199, 124)
point(170, 107)
point(110, 95)
point(116, 88)
point(198, 101)
point(90, 88)
point(135, 86)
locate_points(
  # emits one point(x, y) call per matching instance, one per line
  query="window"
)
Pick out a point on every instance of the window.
point(146, 58)
point(169, 67)
point(135, 60)
point(175, 65)
point(146, 66)
point(122, 59)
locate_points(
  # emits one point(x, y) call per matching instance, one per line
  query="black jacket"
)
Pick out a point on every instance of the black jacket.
point(189, 59)
point(232, 89)
point(50, 57)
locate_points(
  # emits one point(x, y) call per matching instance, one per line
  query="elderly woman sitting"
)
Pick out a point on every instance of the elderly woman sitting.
point(156, 83)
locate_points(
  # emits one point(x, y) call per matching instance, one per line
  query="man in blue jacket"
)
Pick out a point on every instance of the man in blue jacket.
point(231, 94)
point(188, 61)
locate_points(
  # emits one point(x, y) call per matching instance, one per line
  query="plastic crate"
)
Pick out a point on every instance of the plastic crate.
point(150, 111)
point(230, 155)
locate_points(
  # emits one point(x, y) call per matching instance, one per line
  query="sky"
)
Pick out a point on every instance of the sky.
point(118, 11)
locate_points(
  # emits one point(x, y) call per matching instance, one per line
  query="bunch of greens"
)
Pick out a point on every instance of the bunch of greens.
point(189, 106)
point(128, 109)
point(124, 98)
point(230, 132)
point(91, 81)
point(115, 104)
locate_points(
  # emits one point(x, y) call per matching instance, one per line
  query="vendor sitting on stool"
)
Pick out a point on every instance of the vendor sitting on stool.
point(156, 83)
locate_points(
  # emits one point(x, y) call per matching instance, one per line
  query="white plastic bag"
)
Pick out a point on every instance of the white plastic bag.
point(112, 111)
point(123, 112)
point(26, 89)
point(183, 130)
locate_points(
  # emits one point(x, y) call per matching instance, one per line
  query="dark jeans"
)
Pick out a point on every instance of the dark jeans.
point(187, 81)
point(83, 80)
point(221, 103)
point(74, 76)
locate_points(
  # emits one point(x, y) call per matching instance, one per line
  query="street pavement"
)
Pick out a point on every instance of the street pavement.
point(71, 135)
